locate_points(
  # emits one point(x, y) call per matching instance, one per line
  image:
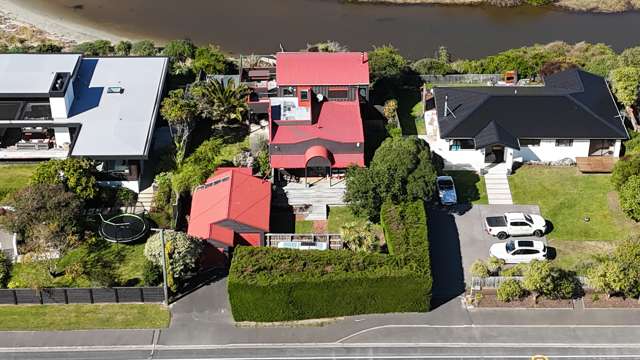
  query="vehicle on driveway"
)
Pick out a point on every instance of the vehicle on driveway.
point(446, 190)
point(515, 224)
point(519, 251)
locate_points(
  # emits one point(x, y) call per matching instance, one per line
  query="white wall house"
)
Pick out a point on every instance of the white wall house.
point(102, 108)
point(482, 128)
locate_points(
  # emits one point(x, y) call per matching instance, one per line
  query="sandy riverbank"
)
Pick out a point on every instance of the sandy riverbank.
point(596, 6)
point(15, 17)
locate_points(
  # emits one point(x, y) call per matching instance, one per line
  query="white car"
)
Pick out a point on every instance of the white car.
point(519, 251)
point(515, 224)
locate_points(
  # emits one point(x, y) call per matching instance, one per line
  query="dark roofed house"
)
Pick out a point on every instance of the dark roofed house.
point(572, 116)
point(316, 128)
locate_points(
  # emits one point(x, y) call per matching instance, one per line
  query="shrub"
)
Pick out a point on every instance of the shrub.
point(75, 174)
point(509, 290)
point(5, 268)
point(630, 197)
point(632, 146)
point(431, 67)
point(620, 273)
point(360, 237)
point(197, 167)
point(95, 48)
point(123, 48)
point(151, 274)
point(182, 251)
point(495, 265)
point(479, 269)
point(179, 50)
point(516, 270)
point(390, 110)
point(405, 231)
point(385, 62)
point(270, 284)
point(544, 279)
point(210, 60)
point(126, 197)
point(144, 48)
point(624, 169)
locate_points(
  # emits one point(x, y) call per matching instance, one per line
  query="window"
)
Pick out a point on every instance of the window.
point(529, 142)
point(519, 223)
point(304, 95)
point(564, 142)
point(529, 251)
point(338, 93)
point(462, 144)
point(289, 91)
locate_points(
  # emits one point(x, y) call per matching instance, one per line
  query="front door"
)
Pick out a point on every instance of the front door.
point(494, 154)
point(318, 171)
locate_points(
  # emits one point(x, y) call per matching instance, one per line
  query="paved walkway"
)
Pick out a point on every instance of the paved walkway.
point(498, 191)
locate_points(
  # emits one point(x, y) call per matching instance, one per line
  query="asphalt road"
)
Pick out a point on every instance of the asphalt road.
point(321, 352)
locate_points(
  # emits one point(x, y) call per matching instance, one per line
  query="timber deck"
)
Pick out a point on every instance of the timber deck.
point(596, 164)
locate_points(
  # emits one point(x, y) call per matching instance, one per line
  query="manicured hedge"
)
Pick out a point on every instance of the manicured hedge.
point(270, 284)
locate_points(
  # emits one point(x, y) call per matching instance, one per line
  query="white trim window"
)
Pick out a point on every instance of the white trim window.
point(564, 142)
point(462, 144)
point(530, 142)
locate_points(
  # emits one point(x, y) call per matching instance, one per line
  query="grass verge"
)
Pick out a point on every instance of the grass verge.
point(83, 317)
point(470, 187)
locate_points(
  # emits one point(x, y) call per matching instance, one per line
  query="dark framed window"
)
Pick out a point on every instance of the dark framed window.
point(529, 142)
point(289, 91)
point(462, 144)
point(304, 95)
point(564, 142)
point(338, 93)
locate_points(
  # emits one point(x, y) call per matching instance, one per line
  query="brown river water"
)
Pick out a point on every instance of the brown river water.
point(260, 26)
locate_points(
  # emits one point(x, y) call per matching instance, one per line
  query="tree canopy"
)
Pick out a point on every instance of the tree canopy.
point(386, 62)
point(626, 82)
point(144, 48)
point(180, 112)
point(182, 252)
point(75, 174)
point(209, 59)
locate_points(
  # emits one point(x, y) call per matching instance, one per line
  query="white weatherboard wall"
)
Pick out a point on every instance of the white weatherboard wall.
point(548, 151)
point(459, 159)
point(60, 106)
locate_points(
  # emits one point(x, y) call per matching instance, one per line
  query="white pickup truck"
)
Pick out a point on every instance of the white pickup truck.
point(515, 224)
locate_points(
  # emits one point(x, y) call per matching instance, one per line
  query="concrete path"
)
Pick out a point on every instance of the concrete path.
point(498, 191)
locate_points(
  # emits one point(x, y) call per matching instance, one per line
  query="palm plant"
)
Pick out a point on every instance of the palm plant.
point(224, 104)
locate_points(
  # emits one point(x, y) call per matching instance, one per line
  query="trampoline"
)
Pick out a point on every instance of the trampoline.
point(123, 228)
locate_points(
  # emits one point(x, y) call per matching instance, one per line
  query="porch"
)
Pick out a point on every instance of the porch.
point(596, 164)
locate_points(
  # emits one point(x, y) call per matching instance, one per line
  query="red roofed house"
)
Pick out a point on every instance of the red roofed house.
point(315, 124)
point(231, 208)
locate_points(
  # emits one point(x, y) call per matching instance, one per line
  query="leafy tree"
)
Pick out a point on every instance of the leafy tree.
point(95, 48)
point(479, 269)
point(123, 48)
point(360, 237)
point(630, 197)
point(48, 217)
point(224, 104)
point(180, 112)
point(431, 66)
point(181, 53)
point(609, 277)
point(626, 84)
point(182, 251)
point(602, 65)
point(327, 46)
point(495, 265)
point(630, 57)
point(75, 174)
point(627, 167)
point(632, 146)
point(538, 278)
point(48, 48)
point(197, 167)
point(144, 48)
point(627, 254)
point(401, 170)
point(510, 290)
point(210, 60)
point(385, 62)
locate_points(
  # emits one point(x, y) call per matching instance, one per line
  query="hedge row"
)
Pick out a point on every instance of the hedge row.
point(405, 232)
point(270, 284)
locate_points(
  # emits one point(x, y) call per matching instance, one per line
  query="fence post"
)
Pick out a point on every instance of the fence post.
point(15, 297)
point(66, 296)
point(164, 269)
point(91, 295)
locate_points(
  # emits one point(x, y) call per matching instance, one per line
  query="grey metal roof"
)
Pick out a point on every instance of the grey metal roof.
point(494, 134)
point(32, 74)
point(117, 124)
point(573, 104)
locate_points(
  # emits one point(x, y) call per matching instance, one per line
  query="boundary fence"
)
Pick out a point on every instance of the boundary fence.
point(49, 296)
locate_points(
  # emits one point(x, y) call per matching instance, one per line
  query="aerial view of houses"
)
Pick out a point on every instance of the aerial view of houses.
point(164, 196)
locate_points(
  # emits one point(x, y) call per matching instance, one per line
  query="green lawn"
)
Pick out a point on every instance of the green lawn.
point(83, 317)
point(566, 197)
point(14, 177)
point(88, 265)
point(469, 187)
point(411, 113)
point(304, 227)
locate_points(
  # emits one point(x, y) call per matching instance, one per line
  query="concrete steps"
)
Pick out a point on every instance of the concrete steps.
point(319, 198)
point(145, 198)
point(498, 191)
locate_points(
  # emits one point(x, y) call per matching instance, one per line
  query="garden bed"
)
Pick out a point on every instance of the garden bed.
point(489, 300)
point(600, 301)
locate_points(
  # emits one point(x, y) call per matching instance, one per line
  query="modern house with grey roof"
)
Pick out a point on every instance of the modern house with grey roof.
point(103, 108)
point(572, 116)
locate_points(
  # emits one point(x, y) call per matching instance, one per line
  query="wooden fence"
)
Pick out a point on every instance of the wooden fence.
point(468, 79)
point(493, 282)
point(81, 296)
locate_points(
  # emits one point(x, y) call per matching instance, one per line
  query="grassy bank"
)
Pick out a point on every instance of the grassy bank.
point(14, 177)
point(83, 317)
point(602, 6)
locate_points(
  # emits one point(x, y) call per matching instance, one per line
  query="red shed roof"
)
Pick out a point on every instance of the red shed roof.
point(317, 68)
point(231, 194)
point(338, 121)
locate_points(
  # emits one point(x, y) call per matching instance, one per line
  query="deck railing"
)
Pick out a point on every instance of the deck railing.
point(332, 241)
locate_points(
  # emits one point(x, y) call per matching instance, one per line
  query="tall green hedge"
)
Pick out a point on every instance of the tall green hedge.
point(269, 284)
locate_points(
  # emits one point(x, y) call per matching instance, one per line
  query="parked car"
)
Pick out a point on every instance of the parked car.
point(515, 224)
point(519, 251)
point(446, 190)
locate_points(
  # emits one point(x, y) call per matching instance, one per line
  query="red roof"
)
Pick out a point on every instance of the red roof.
point(338, 121)
point(231, 194)
point(317, 68)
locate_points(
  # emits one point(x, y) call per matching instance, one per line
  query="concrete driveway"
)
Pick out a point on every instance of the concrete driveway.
point(457, 239)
